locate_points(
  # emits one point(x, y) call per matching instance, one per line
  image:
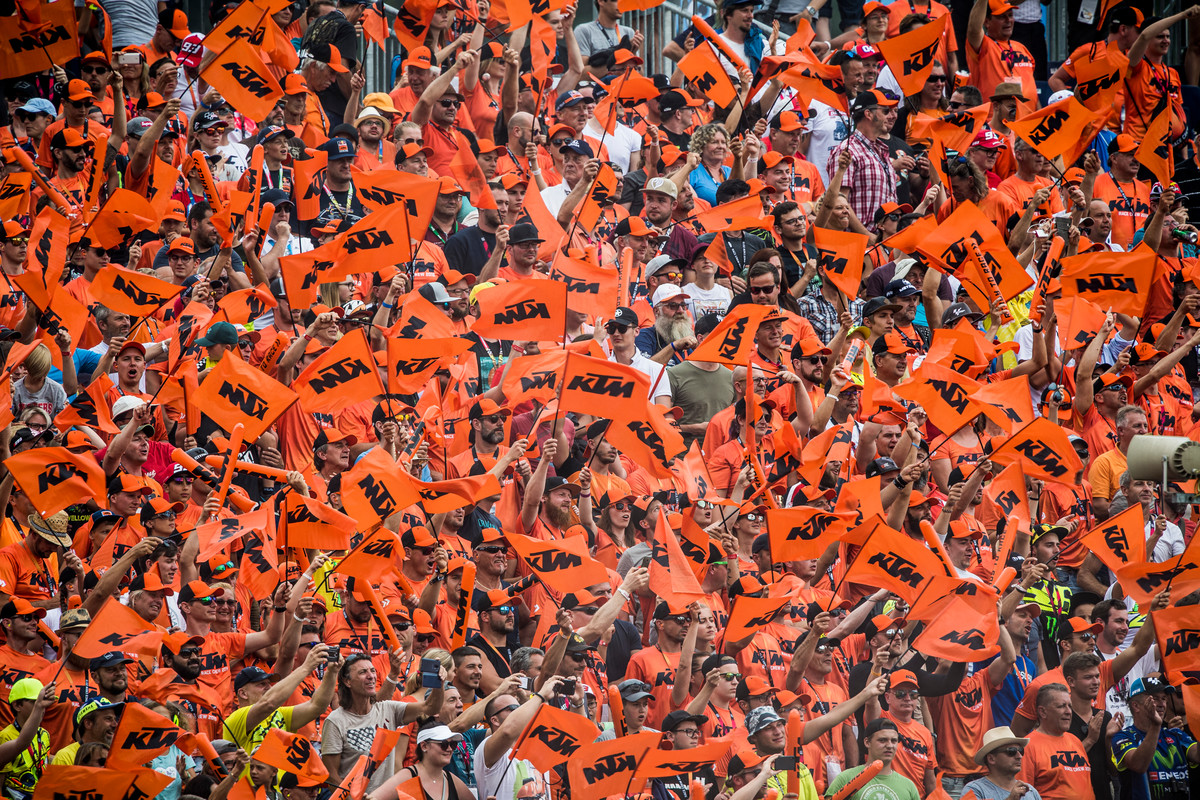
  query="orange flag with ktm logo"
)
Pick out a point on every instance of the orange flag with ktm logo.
point(117, 627)
point(703, 67)
point(553, 736)
point(374, 489)
point(242, 78)
point(564, 565)
point(1177, 631)
point(603, 388)
point(411, 362)
point(671, 576)
point(235, 392)
point(750, 614)
point(309, 523)
point(911, 55)
point(440, 497)
point(943, 393)
point(141, 737)
point(959, 632)
point(801, 533)
point(340, 377)
point(887, 559)
point(420, 319)
point(245, 305)
point(374, 558)
point(1055, 129)
point(292, 753)
point(1154, 153)
point(534, 377)
point(54, 478)
point(817, 81)
point(591, 289)
point(719, 218)
point(1117, 281)
point(840, 256)
point(132, 293)
point(523, 310)
point(651, 440)
point(1119, 540)
point(600, 769)
point(1042, 449)
point(89, 409)
point(732, 342)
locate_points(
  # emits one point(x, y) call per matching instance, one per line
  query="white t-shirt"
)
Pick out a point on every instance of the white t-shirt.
point(621, 144)
point(707, 301)
point(502, 779)
point(553, 197)
point(659, 385)
point(829, 127)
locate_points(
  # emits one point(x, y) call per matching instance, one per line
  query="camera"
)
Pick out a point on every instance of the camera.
point(568, 686)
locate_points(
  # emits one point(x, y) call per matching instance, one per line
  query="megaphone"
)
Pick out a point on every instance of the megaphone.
point(1151, 458)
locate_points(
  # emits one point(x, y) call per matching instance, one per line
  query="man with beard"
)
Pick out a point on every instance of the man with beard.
point(354, 627)
point(523, 242)
point(494, 643)
point(659, 200)
point(487, 437)
point(1004, 110)
point(907, 297)
point(339, 198)
point(70, 152)
point(608, 484)
point(331, 456)
point(182, 663)
point(110, 676)
point(458, 286)
point(520, 136)
point(444, 223)
point(546, 510)
point(671, 334)
point(667, 662)
point(483, 243)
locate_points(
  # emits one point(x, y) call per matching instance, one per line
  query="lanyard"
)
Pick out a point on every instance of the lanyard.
point(342, 212)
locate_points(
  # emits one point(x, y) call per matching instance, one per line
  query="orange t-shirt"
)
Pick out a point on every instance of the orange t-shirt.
point(381, 156)
point(1129, 203)
point(404, 99)
point(915, 753)
point(1057, 766)
point(1027, 708)
point(826, 697)
point(656, 668)
point(1145, 85)
point(1021, 192)
point(961, 718)
point(216, 654)
point(22, 575)
point(996, 62)
point(483, 109)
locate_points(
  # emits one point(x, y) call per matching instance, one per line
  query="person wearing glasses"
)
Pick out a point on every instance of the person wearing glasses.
point(666, 665)
point(181, 657)
point(158, 518)
point(683, 731)
point(915, 757)
point(622, 333)
point(76, 101)
point(430, 778)
point(494, 642)
point(436, 112)
point(671, 336)
point(1002, 754)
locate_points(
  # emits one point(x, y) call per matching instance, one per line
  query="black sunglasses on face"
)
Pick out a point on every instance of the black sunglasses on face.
point(814, 360)
point(762, 289)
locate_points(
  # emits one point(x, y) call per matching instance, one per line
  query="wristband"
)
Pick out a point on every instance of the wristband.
point(307, 338)
point(279, 610)
point(388, 679)
point(622, 591)
point(535, 172)
point(585, 494)
point(899, 482)
point(387, 305)
point(301, 620)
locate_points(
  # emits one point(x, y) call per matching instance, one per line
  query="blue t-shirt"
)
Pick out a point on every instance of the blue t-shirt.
point(1167, 777)
point(703, 184)
point(1010, 694)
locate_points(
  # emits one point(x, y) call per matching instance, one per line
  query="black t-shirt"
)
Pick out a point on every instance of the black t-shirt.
point(334, 29)
point(1097, 757)
point(469, 249)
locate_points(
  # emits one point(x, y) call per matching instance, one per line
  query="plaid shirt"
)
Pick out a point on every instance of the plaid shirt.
point(823, 315)
point(870, 180)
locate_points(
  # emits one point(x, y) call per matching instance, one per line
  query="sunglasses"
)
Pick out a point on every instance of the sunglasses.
point(26, 617)
point(675, 306)
point(912, 694)
point(672, 276)
point(622, 506)
point(814, 360)
point(182, 479)
point(224, 602)
point(613, 328)
point(401, 626)
point(165, 515)
point(753, 517)
point(679, 619)
point(19, 240)
point(425, 551)
point(1013, 752)
point(492, 419)
point(445, 746)
point(824, 648)
point(936, 79)
point(79, 103)
point(1086, 637)
point(92, 70)
point(559, 142)
point(426, 637)
point(490, 548)
point(504, 609)
point(731, 676)
point(513, 707)
point(955, 104)
point(763, 289)
point(705, 504)
point(449, 103)
point(245, 344)
point(188, 652)
point(589, 610)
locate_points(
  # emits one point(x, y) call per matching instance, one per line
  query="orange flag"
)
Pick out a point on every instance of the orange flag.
point(534, 377)
point(840, 256)
point(421, 319)
point(523, 310)
point(911, 55)
point(1117, 281)
point(816, 81)
point(564, 565)
point(1006, 496)
point(374, 489)
point(719, 218)
point(89, 409)
point(410, 362)
point(732, 342)
point(600, 769)
point(117, 627)
point(1178, 633)
point(235, 392)
point(1154, 153)
point(590, 289)
point(944, 393)
point(14, 194)
point(412, 22)
point(691, 475)
point(63, 781)
point(803, 532)
point(373, 558)
point(54, 478)
point(309, 523)
point(1079, 321)
point(750, 614)
point(546, 223)
point(466, 170)
point(309, 180)
point(1119, 540)
point(651, 441)
point(1043, 451)
point(1097, 78)
point(292, 753)
point(1056, 128)
point(242, 78)
point(669, 763)
point(380, 239)
point(385, 187)
point(957, 129)
point(715, 252)
point(132, 293)
point(141, 737)
point(602, 190)
point(543, 44)
point(245, 305)
point(439, 497)
point(55, 40)
point(1143, 581)
point(671, 576)
point(1006, 402)
point(220, 534)
point(958, 632)
point(949, 245)
point(603, 388)
point(553, 736)
point(125, 214)
point(340, 377)
point(888, 559)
